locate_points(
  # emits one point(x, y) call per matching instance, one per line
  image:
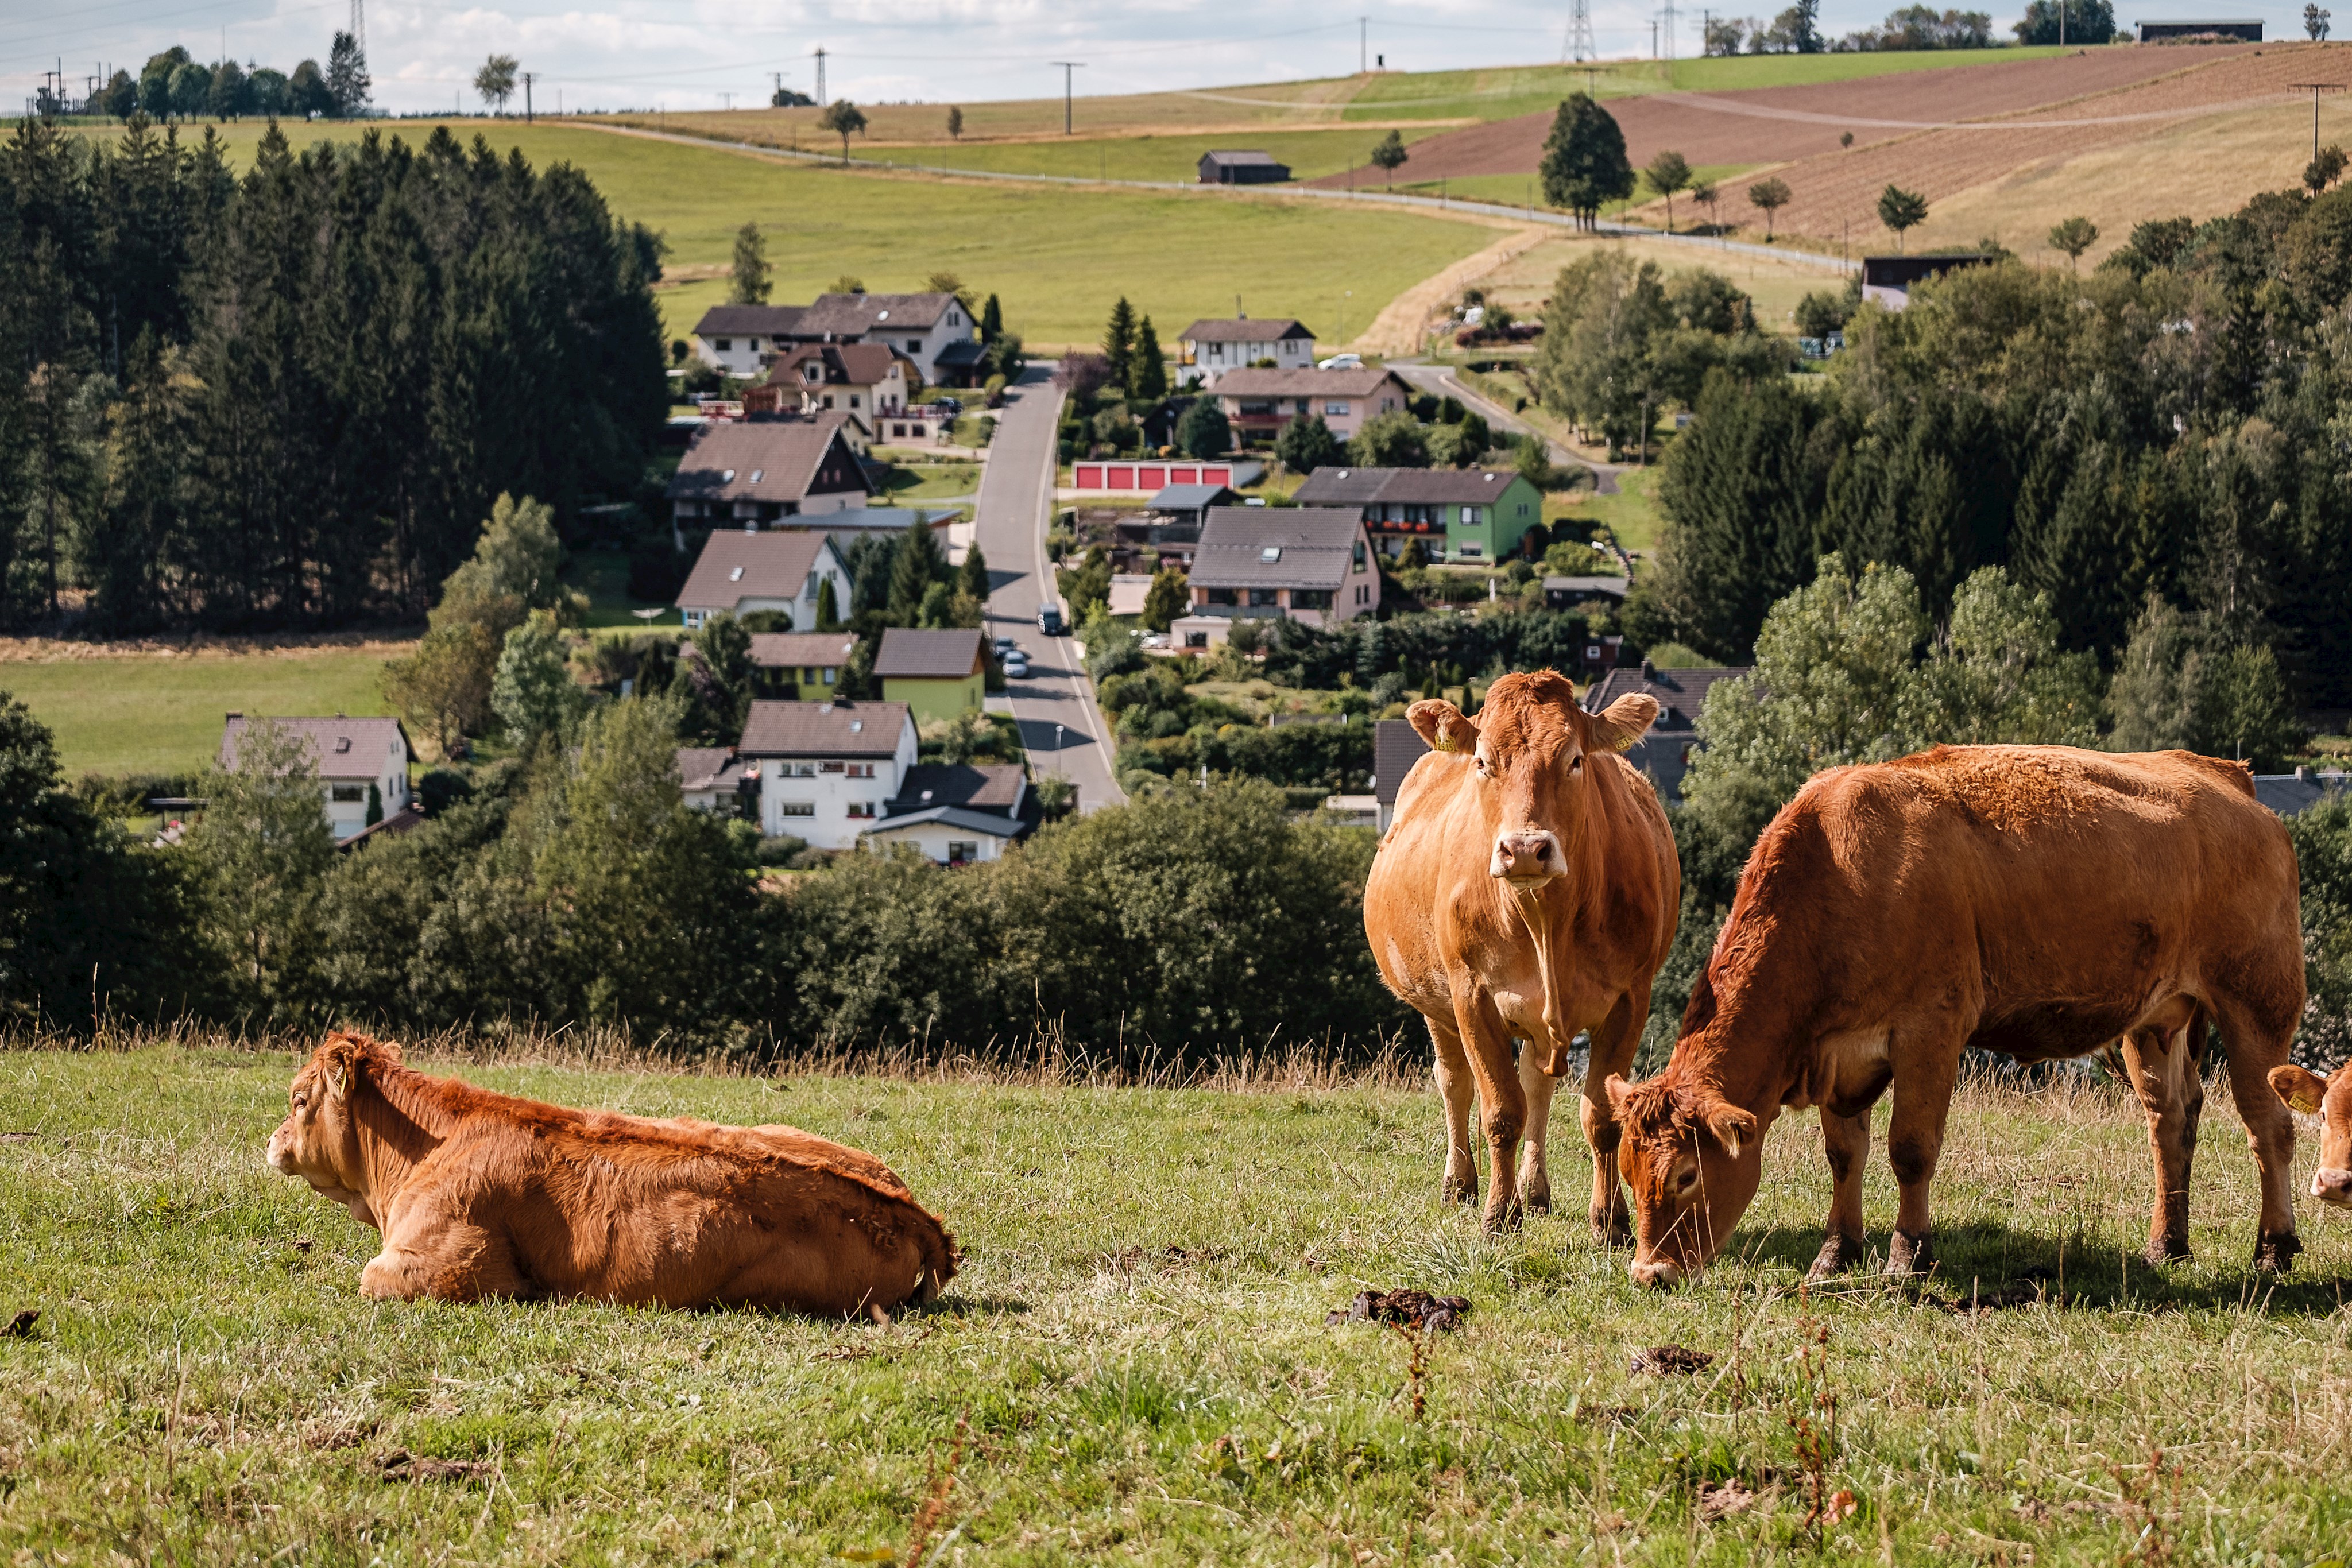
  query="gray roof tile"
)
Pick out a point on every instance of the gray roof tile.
point(822, 729)
point(1315, 546)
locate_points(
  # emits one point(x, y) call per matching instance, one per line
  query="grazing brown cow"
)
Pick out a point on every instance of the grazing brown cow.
point(1528, 888)
point(485, 1195)
point(2331, 1098)
point(2038, 901)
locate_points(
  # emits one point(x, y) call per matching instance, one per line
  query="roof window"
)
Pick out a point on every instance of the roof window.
point(882, 316)
point(736, 575)
point(856, 727)
point(343, 743)
point(1270, 553)
point(728, 478)
point(758, 475)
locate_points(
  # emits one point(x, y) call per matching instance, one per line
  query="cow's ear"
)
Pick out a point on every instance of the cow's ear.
point(1443, 726)
point(2301, 1088)
point(1618, 1092)
point(341, 1057)
point(1623, 722)
point(1731, 1125)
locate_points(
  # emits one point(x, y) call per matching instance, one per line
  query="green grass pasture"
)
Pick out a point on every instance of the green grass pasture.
point(138, 713)
point(1058, 257)
point(1134, 1366)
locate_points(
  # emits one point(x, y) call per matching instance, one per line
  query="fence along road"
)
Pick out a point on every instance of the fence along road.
point(1060, 723)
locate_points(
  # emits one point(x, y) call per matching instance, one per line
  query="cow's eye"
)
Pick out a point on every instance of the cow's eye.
point(1577, 766)
point(301, 1100)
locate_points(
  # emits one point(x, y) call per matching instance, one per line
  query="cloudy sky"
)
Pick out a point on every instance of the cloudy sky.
point(694, 54)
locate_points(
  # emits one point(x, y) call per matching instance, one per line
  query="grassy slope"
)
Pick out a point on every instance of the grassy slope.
point(203, 1387)
point(1057, 256)
point(1310, 154)
point(161, 714)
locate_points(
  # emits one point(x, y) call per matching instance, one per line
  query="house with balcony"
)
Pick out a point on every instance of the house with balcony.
point(869, 382)
point(787, 570)
point(826, 771)
point(736, 339)
point(755, 474)
point(711, 778)
point(1211, 346)
point(1462, 514)
point(1312, 564)
point(1258, 403)
point(803, 666)
point(934, 332)
point(362, 763)
point(959, 813)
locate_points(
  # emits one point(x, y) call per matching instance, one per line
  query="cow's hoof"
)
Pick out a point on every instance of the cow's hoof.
point(2276, 1254)
point(1537, 1198)
point(2163, 1249)
point(1839, 1253)
point(1909, 1254)
point(1461, 1189)
point(1611, 1227)
point(1505, 1217)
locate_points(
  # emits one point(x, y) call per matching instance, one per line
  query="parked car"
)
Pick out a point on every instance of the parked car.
point(1016, 666)
point(1341, 363)
point(1004, 647)
point(1049, 619)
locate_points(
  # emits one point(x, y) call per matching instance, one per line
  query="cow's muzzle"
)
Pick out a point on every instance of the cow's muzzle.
point(2332, 1186)
point(1530, 855)
point(1658, 1274)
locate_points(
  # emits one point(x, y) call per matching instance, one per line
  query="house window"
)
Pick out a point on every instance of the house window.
point(349, 794)
point(1221, 596)
point(861, 770)
point(1310, 598)
point(1469, 552)
point(828, 399)
point(795, 770)
point(809, 590)
point(1261, 597)
point(1196, 639)
point(1472, 517)
point(1360, 555)
point(853, 400)
point(1338, 408)
point(725, 344)
point(829, 766)
point(962, 852)
point(828, 674)
point(1364, 594)
point(796, 808)
point(863, 809)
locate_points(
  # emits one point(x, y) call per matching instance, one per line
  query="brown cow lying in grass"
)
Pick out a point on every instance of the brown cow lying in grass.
point(485, 1195)
point(2037, 902)
point(2331, 1100)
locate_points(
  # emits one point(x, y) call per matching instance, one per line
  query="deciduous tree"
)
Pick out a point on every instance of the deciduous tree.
point(1584, 163)
point(752, 279)
point(1389, 155)
point(1769, 196)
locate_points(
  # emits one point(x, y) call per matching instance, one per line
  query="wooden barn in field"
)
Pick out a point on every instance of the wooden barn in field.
point(1242, 168)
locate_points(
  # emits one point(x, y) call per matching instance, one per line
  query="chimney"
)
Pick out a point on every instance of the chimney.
point(2303, 773)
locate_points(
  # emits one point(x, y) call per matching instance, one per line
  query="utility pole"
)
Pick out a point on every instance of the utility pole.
point(1653, 38)
point(820, 75)
point(2315, 89)
point(779, 87)
point(1363, 42)
point(1067, 66)
point(527, 78)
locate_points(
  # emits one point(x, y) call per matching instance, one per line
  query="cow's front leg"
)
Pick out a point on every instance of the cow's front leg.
point(449, 1259)
point(1459, 1090)
point(2162, 1068)
point(1846, 1140)
point(1613, 1045)
point(1914, 1141)
point(1486, 1040)
point(1538, 1086)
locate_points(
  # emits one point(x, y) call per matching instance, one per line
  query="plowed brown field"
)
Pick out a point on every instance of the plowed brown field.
point(1836, 193)
point(1781, 124)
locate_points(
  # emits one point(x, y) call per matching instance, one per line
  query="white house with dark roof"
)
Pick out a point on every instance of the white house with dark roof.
point(362, 763)
point(765, 472)
point(736, 339)
point(1211, 346)
point(958, 813)
point(1309, 563)
point(785, 569)
point(934, 332)
point(827, 769)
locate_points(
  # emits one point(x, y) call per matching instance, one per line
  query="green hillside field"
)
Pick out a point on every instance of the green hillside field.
point(1058, 257)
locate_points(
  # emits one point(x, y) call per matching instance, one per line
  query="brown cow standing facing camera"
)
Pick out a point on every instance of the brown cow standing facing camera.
point(1528, 888)
point(2035, 901)
point(485, 1195)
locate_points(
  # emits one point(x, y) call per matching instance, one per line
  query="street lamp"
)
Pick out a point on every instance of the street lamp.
point(1058, 737)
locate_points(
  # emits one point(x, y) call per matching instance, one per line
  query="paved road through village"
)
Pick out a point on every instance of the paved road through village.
point(1060, 723)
